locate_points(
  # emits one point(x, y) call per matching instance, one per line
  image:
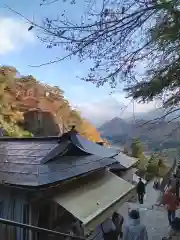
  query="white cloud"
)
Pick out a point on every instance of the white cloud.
point(105, 109)
point(144, 108)
point(14, 35)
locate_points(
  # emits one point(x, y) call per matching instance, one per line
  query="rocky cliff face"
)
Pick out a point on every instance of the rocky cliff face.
point(41, 123)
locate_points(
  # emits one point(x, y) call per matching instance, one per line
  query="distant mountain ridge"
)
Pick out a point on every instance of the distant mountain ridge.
point(157, 135)
point(158, 112)
point(114, 126)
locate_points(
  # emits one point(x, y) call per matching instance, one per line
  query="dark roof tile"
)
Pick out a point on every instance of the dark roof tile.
point(26, 151)
point(92, 148)
point(42, 174)
point(28, 162)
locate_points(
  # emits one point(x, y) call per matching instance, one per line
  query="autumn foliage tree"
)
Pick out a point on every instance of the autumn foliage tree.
point(9, 116)
point(16, 93)
point(90, 132)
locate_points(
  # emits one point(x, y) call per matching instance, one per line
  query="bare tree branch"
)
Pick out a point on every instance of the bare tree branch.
point(107, 39)
point(117, 36)
point(155, 120)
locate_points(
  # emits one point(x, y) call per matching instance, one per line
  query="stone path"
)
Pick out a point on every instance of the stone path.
point(155, 218)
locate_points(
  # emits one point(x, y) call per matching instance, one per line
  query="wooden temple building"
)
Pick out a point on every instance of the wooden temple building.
point(53, 182)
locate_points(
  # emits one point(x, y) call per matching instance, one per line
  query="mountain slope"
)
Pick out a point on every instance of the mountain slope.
point(20, 95)
point(158, 112)
point(158, 135)
point(114, 126)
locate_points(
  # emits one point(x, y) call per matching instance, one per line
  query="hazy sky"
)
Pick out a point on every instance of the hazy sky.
point(21, 48)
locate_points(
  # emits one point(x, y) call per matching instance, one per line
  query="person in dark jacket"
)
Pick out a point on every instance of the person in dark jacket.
point(140, 191)
point(174, 183)
point(178, 171)
point(177, 185)
point(118, 221)
point(109, 230)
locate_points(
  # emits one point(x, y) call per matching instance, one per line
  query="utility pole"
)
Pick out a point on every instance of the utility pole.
point(133, 112)
point(133, 120)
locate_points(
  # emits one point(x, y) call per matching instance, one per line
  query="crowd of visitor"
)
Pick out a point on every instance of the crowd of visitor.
point(116, 228)
point(133, 229)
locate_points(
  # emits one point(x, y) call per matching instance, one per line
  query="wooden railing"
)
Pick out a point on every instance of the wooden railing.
point(38, 229)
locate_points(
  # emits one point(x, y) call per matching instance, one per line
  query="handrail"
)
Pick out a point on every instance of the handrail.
point(38, 229)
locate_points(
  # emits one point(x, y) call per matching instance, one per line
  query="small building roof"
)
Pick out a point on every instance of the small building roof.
point(41, 161)
point(29, 150)
point(101, 195)
point(125, 160)
point(93, 148)
point(44, 174)
point(37, 162)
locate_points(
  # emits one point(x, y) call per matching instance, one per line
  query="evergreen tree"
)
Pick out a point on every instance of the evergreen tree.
point(136, 148)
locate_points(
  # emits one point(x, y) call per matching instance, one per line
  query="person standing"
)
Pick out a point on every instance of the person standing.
point(134, 230)
point(140, 191)
point(118, 221)
point(171, 202)
point(172, 181)
point(109, 230)
point(178, 171)
point(78, 228)
point(177, 186)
